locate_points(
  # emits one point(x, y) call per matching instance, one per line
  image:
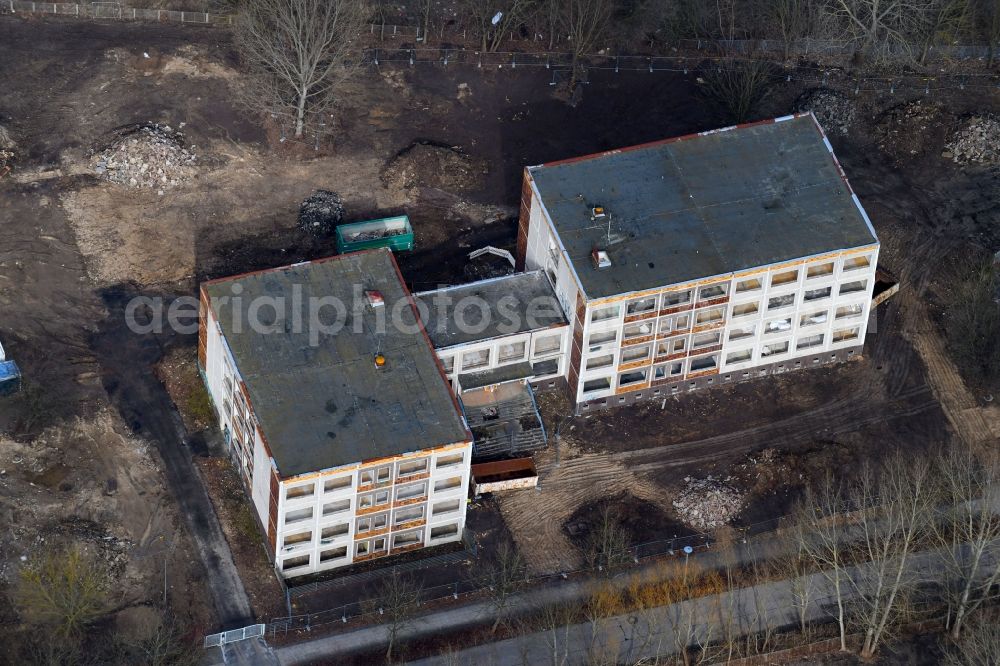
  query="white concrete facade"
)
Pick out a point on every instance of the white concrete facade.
point(544, 349)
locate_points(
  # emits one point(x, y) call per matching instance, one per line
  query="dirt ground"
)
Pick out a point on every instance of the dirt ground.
point(73, 245)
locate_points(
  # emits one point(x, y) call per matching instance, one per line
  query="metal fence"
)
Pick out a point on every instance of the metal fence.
point(466, 587)
point(114, 11)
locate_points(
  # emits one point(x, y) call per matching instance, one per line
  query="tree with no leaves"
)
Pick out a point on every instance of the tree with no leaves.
point(297, 52)
point(511, 14)
point(876, 28)
point(503, 576)
point(608, 543)
point(66, 590)
point(968, 532)
point(585, 22)
point(396, 601)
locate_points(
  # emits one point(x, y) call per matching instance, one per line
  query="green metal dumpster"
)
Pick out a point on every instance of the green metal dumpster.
point(394, 233)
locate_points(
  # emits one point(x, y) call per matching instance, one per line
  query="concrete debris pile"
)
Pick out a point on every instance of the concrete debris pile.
point(6, 148)
point(834, 111)
point(321, 212)
point(978, 140)
point(707, 504)
point(430, 165)
point(910, 129)
point(150, 156)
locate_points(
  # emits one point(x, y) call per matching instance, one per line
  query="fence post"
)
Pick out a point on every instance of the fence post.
point(182, 16)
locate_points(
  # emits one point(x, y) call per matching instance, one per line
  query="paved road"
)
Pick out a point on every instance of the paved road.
point(126, 361)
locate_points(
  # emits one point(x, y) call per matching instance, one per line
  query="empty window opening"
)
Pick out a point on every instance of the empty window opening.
point(745, 309)
point(742, 333)
point(675, 298)
point(780, 301)
point(600, 361)
point(599, 384)
point(548, 344)
point(855, 263)
point(334, 531)
point(298, 537)
point(852, 287)
point(817, 294)
point(702, 340)
point(641, 306)
point(814, 318)
point(447, 484)
point(819, 270)
point(337, 483)
point(739, 357)
point(411, 467)
point(777, 325)
point(511, 352)
point(597, 339)
point(787, 277)
point(633, 354)
point(475, 359)
point(605, 313)
point(709, 316)
point(333, 554)
point(750, 284)
point(704, 363)
point(412, 491)
point(846, 334)
point(295, 562)
point(298, 516)
point(809, 341)
point(336, 507)
point(774, 349)
point(849, 311)
point(638, 330)
point(633, 377)
point(443, 508)
point(712, 291)
point(444, 531)
point(294, 492)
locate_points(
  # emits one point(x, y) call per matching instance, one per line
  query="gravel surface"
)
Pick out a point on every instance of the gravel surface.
point(977, 140)
point(835, 111)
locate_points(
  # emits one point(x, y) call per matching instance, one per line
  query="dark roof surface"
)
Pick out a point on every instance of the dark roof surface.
point(482, 310)
point(702, 205)
point(324, 405)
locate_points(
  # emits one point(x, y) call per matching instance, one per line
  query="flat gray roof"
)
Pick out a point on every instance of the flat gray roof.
point(489, 308)
point(326, 404)
point(703, 205)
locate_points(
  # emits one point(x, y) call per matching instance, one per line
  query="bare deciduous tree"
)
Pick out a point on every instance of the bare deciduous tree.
point(940, 20)
point(793, 20)
point(65, 590)
point(509, 15)
point(878, 29)
point(986, 19)
point(396, 600)
point(969, 532)
point(503, 576)
point(297, 52)
point(585, 23)
point(978, 646)
point(608, 543)
point(893, 505)
point(738, 86)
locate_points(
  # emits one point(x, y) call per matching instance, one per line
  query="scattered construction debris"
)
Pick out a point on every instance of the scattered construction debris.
point(910, 129)
point(7, 146)
point(429, 165)
point(708, 503)
point(835, 111)
point(149, 155)
point(321, 212)
point(977, 140)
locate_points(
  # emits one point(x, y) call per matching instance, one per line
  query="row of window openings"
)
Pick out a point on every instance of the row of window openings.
point(710, 362)
point(371, 546)
point(672, 299)
point(376, 475)
point(506, 353)
point(369, 523)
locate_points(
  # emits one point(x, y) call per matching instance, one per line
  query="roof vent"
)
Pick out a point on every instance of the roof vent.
point(600, 258)
point(597, 212)
point(374, 298)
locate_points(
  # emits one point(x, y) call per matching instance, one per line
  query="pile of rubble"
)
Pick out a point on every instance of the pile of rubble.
point(430, 165)
point(978, 140)
point(706, 504)
point(321, 212)
point(6, 148)
point(150, 155)
point(910, 129)
point(834, 111)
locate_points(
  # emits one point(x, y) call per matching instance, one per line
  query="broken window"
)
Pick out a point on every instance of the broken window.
point(449, 364)
point(605, 313)
point(712, 291)
point(597, 339)
point(744, 332)
point(709, 316)
point(817, 294)
point(299, 515)
point(777, 302)
point(809, 341)
point(776, 325)
point(846, 334)
point(851, 287)
point(632, 377)
point(850, 311)
point(298, 537)
point(819, 270)
point(546, 367)
point(444, 531)
point(449, 460)
point(855, 263)
point(632, 354)
point(667, 370)
point(547, 344)
point(411, 467)
point(475, 359)
point(673, 298)
point(368, 500)
point(600, 384)
point(786, 277)
point(774, 348)
point(411, 491)
point(334, 531)
point(447, 484)
point(295, 492)
point(600, 361)
point(814, 318)
point(641, 306)
point(706, 339)
point(638, 330)
point(682, 322)
point(744, 309)
point(336, 483)
point(295, 562)
point(442, 508)
point(408, 514)
point(739, 356)
point(375, 475)
point(750, 284)
point(511, 352)
point(407, 538)
point(704, 363)
point(333, 554)
point(336, 507)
